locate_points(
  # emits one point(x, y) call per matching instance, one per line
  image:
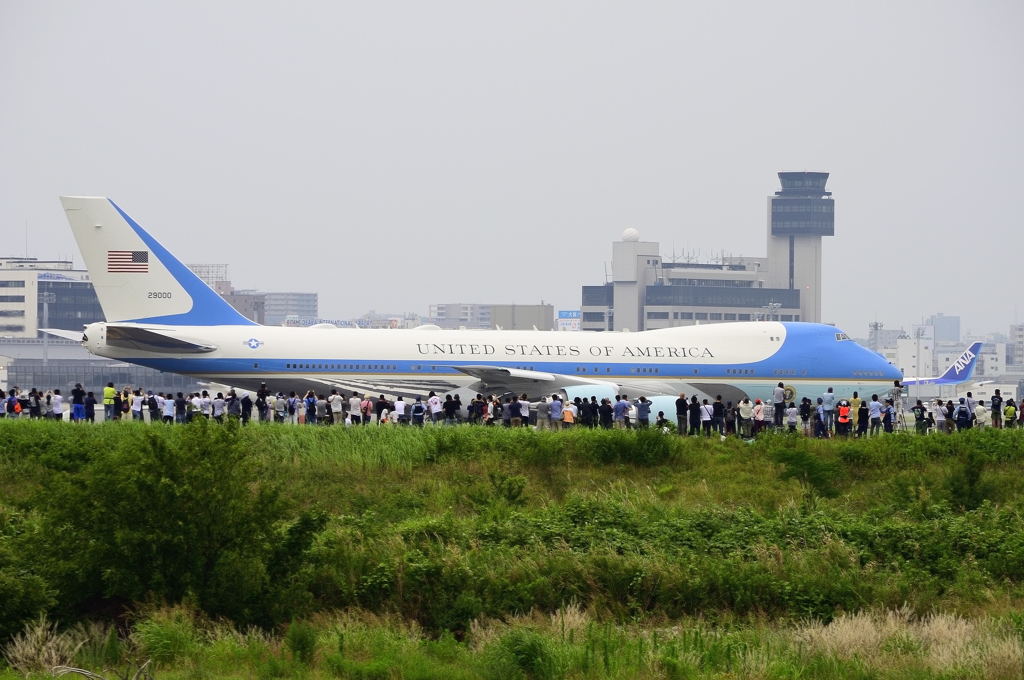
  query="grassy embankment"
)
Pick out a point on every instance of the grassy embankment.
point(473, 552)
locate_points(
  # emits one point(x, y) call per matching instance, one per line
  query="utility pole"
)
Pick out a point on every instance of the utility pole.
point(46, 299)
point(918, 334)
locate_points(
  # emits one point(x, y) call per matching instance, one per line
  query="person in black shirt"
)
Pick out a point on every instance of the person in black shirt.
point(681, 410)
point(77, 403)
point(920, 417)
point(863, 419)
point(246, 404)
point(718, 417)
point(805, 415)
point(694, 409)
point(605, 412)
point(450, 408)
point(118, 406)
point(90, 407)
point(380, 406)
point(262, 408)
point(997, 410)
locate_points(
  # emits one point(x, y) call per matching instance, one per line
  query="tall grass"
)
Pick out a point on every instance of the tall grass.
point(485, 552)
point(571, 643)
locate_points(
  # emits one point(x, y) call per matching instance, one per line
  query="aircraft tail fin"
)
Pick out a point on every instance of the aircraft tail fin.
point(135, 277)
point(962, 367)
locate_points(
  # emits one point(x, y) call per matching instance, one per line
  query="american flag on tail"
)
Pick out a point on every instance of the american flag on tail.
point(127, 261)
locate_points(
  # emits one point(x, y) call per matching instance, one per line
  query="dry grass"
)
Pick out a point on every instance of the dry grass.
point(940, 642)
point(41, 647)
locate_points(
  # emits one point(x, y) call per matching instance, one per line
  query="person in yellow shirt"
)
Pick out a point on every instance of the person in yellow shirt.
point(108, 401)
point(854, 408)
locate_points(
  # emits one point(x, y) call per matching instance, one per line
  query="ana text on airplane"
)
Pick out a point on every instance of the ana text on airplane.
point(963, 361)
point(515, 350)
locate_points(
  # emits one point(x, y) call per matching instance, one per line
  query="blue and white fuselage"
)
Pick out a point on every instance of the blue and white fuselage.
point(166, 318)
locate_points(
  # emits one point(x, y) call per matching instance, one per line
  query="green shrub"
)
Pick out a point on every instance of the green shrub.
point(159, 517)
point(167, 636)
point(523, 653)
point(810, 470)
point(967, 489)
point(300, 638)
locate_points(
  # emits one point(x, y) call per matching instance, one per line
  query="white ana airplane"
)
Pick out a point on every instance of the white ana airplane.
point(958, 372)
point(160, 314)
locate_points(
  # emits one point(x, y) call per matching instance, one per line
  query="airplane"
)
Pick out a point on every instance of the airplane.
point(958, 372)
point(161, 315)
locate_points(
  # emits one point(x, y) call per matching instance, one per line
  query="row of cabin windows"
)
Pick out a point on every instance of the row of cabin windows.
point(639, 370)
point(347, 367)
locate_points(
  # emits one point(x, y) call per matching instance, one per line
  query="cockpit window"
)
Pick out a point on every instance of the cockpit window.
point(842, 336)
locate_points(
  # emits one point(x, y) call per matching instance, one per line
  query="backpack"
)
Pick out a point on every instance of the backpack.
point(417, 409)
point(291, 405)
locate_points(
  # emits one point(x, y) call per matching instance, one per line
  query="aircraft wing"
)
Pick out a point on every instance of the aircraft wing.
point(501, 379)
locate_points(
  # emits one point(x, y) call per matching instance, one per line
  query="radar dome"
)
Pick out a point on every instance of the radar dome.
point(631, 234)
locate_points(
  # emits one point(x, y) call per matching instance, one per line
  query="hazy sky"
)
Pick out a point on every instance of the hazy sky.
point(393, 154)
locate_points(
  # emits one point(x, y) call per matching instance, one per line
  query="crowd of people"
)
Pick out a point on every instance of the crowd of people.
point(826, 416)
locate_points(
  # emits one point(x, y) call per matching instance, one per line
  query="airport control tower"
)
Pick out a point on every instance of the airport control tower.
point(798, 216)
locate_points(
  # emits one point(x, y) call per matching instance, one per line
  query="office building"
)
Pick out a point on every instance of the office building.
point(947, 328)
point(278, 306)
point(38, 294)
point(508, 317)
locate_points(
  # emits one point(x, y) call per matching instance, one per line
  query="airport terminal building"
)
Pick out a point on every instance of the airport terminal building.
point(645, 292)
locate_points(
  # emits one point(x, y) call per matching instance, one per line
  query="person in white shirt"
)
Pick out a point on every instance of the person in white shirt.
point(337, 403)
point(58, 405)
point(746, 415)
point(137, 403)
point(982, 414)
point(792, 413)
point(206, 404)
point(758, 416)
point(401, 412)
point(939, 415)
point(779, 404)
point(707, 412)
point(168, 408)
point(218, 407)
point(353, 408)
point(434, 405)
